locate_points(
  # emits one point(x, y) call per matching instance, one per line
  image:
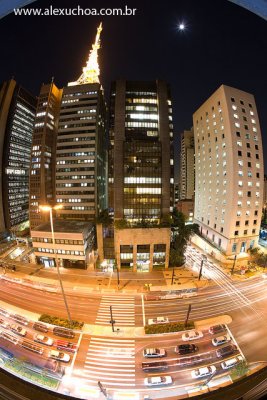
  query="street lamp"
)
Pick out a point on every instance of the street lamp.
point(204, 258)
point(50, 209)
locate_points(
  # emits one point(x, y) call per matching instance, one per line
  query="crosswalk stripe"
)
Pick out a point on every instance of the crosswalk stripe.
point(110, 383)
point(91, 370)
point(112, 340)
point(112, 361)
point(111, 367)
point(108, 378)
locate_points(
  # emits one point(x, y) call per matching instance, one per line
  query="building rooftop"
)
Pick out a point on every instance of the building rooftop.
point(65, 226)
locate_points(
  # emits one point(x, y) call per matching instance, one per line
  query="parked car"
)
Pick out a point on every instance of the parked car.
point(18, 329)
point(4, 323)
point(217, 341)
point(202, 372)
point(186, 348)
point(32, 347)
point(217, 329)
point(59, 355)
point(192, 335)
point(43, 339)
point(19, 318)
point(9, 337)
point(153, 352)
point(68, 333)
point(185, 361)
point(226, 351)
point(154, 366)
point(232, 362)
point(4, 312)
point(158, 320)
point(65, 345)
point(38, 326)
point(158, 380)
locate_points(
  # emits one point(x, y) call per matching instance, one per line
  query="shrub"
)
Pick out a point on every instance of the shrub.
point(50, 319)
point(169, 327)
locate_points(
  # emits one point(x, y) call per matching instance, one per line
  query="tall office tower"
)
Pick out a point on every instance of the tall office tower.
point(141, 153)
point(42, 181)
point(17, 112)
point(141, 172)
point(229, 170)
point(81, 155)
point(187, 165)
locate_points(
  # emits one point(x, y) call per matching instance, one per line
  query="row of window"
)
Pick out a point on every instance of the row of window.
point(67, 252)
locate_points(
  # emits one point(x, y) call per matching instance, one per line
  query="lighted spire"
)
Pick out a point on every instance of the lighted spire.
point(91, 72)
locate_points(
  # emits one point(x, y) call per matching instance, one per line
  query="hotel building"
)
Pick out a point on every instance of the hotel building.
point(229, 170)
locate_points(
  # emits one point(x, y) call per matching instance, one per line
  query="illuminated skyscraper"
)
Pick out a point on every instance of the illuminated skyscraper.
point(42, 176)
point(187, 166)
point(229, 170)
point(141, 153)
point(81, 155)
point(141, 172)
point(17, 112)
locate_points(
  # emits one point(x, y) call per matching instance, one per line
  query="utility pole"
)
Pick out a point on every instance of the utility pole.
point(233, 267)
point(204, 258)
point(173, 274)
point(102, 389)
point(187, 315)
point(118, 278)
point(112, 321)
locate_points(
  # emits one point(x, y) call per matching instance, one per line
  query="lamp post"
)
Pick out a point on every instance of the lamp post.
point(50, 209)
point(173, 274)
point(112, 321)
point(204, 258)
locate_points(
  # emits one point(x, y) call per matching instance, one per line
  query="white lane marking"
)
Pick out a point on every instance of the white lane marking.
point(113, 344)
point(143, 310)
point(113, 340)
point(110, 383)
point(96, 361)
point(85, 373)
point(111, 368)
point(91, 371)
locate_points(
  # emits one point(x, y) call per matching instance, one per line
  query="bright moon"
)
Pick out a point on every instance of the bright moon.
point(181, 27)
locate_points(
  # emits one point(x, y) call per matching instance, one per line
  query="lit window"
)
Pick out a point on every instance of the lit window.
point(237, 124)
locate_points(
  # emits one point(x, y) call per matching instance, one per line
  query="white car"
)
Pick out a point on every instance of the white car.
point(158, 381)
point(232, 362)
point(43, 339)
point(202, 372)
point(59, 355)
point(217, 341)
point(152, 352)
point(192, 335)
point(158, 320)
point(18, 329)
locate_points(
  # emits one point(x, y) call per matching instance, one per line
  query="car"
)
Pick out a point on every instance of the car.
point(38, 326)
point(192, 335)
point(217, 341)
point(9, 337)
point(4, 324)
point(204, 371)
point(43, 339)
point(59, 355)
point(32, 347)
point(185, 361)
point(158, 320)
point(68, 333)
point(226, 351)
point(68, 346)
point(153, 352)
point(4, 312)
point(231, 362)
point(19, 318)
point(158, 380)
point(186, 348)
point(217, 329)
point(154, 366)
point(18, 329)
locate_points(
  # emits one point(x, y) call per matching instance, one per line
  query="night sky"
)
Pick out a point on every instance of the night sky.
point(223, 44)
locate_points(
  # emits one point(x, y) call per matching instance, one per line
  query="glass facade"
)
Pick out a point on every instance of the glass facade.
point(16, 155)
